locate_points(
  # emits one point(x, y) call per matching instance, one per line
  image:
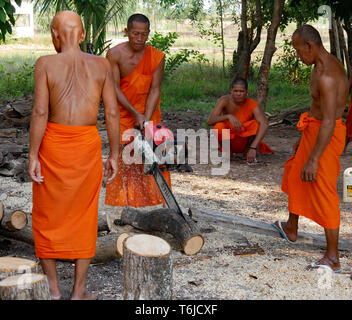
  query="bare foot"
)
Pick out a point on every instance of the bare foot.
point(290, 234)
point(334, 265)
point(84, 296)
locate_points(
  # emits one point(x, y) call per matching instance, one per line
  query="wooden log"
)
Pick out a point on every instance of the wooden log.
point(168, 221)
point(119, 243)
point(16, 220)
point(29, 286)
point(2, 209)
point(147, 268)
point(10, 266)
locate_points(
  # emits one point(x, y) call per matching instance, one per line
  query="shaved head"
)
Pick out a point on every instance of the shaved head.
point(67, 30)
point(308, 33)
point(66, 20)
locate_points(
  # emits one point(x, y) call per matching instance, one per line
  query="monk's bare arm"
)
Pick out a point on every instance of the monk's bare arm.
point(39, 118)
point(112, 119)
point(121, 98)
point(263, 126)
point(155, 90)
point(328, 99)
point(218, 114)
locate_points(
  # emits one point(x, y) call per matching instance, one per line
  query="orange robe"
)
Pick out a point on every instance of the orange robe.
point(132, 187)
point(250, 126)
point(65, 204)
point(349, 121)
point(316, 200)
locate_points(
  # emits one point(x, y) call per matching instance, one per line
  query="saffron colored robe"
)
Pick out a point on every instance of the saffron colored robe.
point(132, 187)
point(349, 121)
point(65, 204)
point(250, 126)
point(316, 200)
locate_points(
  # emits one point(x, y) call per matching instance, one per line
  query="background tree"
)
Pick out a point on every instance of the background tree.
point(95, 14)
point(7, 20)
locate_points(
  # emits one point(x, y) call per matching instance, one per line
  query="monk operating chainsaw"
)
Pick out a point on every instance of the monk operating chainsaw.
point(160, 150)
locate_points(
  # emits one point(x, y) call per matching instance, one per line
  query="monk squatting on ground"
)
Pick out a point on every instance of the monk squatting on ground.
point(245, 120)
point(138, 69)
point(311, 174)
point(65, 160)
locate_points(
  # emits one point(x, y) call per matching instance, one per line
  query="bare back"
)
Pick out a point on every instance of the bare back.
point(329, 86)
point(75, 81)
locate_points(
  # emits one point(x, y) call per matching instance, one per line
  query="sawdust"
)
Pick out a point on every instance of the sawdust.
point(215, 273)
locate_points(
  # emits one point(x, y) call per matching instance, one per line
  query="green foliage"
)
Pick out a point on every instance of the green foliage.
point(95, 14)
point(7, 20)
point(290, 67)
point(16, 83)
point(173, 61)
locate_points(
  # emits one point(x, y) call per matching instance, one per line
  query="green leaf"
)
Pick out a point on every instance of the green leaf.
point(2, 3)
point(8, 27)
point(2, 15)
point(9, 9)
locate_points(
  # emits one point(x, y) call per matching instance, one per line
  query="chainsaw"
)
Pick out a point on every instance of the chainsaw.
point(157, 145)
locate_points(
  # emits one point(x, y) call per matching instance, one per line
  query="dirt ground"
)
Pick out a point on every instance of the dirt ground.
point(251, 192)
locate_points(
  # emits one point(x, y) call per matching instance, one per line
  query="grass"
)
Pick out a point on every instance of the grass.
point(192, 86)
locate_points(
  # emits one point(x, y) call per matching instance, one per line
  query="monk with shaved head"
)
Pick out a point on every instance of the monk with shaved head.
point(311, 174)
point(65, 161)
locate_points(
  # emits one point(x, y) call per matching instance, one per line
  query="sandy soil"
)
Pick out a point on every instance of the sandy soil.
point(215, 273)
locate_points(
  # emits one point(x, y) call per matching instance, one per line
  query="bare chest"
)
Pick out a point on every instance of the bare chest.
point(128, 63)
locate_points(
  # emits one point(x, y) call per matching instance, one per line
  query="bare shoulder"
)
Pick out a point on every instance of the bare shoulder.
point(115, 53)
point(224, 100)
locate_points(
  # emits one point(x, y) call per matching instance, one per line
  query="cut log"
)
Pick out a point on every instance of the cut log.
point(147, 268)
point(15, 220)
point(1, 210)
point(10, 266)
point(119, 243)
point(29, 286)
point(168, 221)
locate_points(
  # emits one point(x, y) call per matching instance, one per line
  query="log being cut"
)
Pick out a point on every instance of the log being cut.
point(147, 268)
point(185, 231)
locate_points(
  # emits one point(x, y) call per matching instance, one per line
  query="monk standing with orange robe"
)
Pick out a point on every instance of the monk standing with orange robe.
point(245, 120)
point(311, 175)
point(138, 70)
point(65, 160)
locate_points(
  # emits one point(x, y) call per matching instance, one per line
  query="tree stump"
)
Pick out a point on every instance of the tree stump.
point(147, 268)
point(1, 210)
point(16, 220)
point(166, 220)
point(28, 286)
point(10, 266)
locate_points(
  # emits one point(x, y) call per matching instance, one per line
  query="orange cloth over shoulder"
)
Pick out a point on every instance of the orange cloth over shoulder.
point(65, 205)
point(239, 139)
point(316, 200)
point(349, 121)
point(132, 187)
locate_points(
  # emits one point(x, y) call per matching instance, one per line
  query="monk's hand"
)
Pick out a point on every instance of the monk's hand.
point(251, 153)
point(237, 125)
point(309, 171)
point(111, 168)
point(140, 119)
point(34, 170)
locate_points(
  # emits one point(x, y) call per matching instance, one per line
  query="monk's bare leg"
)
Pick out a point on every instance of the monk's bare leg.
point(49, 269)
point(331, 256)
point(290, 227)
point(79, 287)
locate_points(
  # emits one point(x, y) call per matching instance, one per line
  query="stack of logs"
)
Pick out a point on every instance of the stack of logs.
point(145, 256)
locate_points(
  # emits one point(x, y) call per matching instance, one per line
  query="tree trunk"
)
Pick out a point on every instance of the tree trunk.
point(168, 221)
point(147, 268)
point(29, 286)
point(262, 82)
point(14, 221)
point(332, 42)
point(336, 38)
point(10, 266)
point(344, 47)
point(348, 28)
